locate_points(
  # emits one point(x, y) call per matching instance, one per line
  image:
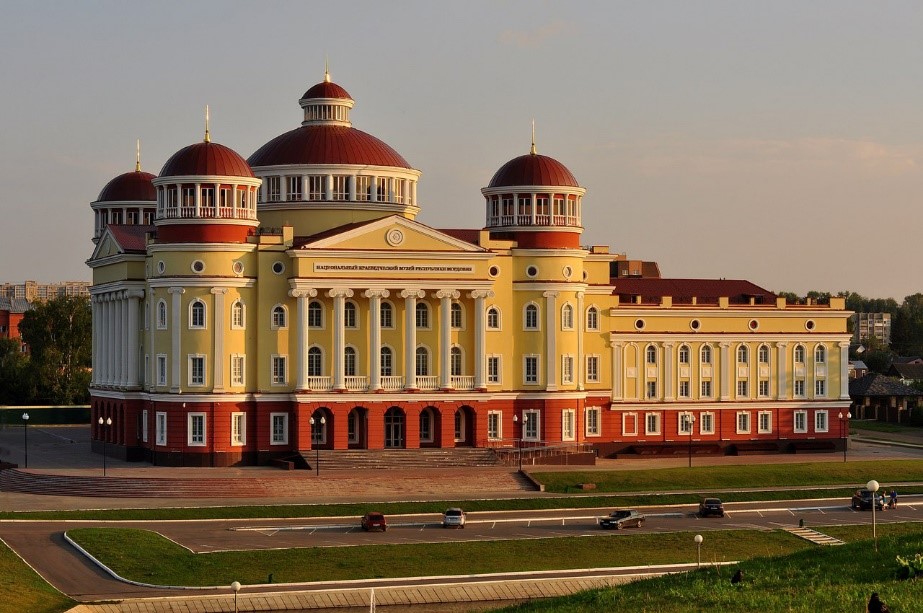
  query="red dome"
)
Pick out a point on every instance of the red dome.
point(326, 89)
point(206, 158)
point(132, 186)
point(326, 144)
point(533, 169)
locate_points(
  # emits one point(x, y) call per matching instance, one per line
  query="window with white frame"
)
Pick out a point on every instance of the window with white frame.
point(684, 389)
point(764, 422)
point(686, 423)
point(383, 189)
point(278, 317)
point(144, 425)
point(530, 425)
point(422, 315)
point(160, 428)
point(531, 317)
point(494, 425)
point(705, 354)
point(683, 354)
point(743, 422)
point(568, 424)
point(763, 354)
point(821, 424)
point(274, 186)
point(705, 389)
point(799, 388)
point(651, 389)
point(801, 422)
point(592, 319)
point(279, 428)
point(567, 317)
point(743, 389)
point(237, 369)
point(340, 187)
point(317, 187)
point(493, 318)
point(650, 355)
point(592, 416)
point(315, 362)
point(493, 369)
point(238, 429)
point(196, 370)
point(743, 354)
point(799, 354)
point(294, 187)
point(238, 321)
point(764, 388)
point(820, 354)
point(315, 314)
point(651, 423)
point(386, 312)
point(455, 361)
point(279, 374)
point(820, 388)
point(422, 362)
point(567, 369)
point(161, 369)
point(387, 362)
point(630, 424)
point(196, 430)
point(197, 314)
point(349, 361)
point(456, 316)
point(592, 369)
point(706, 423)
point(350, 315)
point(363, 188)
point(530, 369)
point(161, 315)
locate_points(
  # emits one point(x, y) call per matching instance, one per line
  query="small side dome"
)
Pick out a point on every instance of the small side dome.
point(533, 169)
point(206, 158)
point(132, 186)
point(326, 89)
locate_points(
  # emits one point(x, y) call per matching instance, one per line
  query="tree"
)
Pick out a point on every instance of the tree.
point(15, 382)
point(59, 336)
point(907, 327)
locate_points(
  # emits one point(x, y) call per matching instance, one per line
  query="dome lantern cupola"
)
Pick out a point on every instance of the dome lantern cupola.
point(326, 104)
point(129, 198)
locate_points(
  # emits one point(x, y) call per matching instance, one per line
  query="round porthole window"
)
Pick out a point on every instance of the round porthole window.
point(278, 268)
point(198, 266)
point(639, 324)
point(568, 272)
point(238, 268)
point(809, 325)
point(754, 324)
point(532, 271)
point(586, 275)
point(161, 267)
point(493, 271)
point(695, 324)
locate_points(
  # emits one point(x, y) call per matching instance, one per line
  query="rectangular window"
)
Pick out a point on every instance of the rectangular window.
point(316, 187)
point(592, 415)
point(196, 430)
point(742, 389)
point(208, 198)
point(743, 422)
point(765, 422)
point(530, 425)
point(196, 370)
point(686, 423)
point(279, 375)
point(801, 422)
point(630, 424)
point(494, 425)
point(279, 424)
point(799, 388)
point(592, 369)
point(294, 188)
point(820, 388)
point(568, 424)
point(160, 428)
point(363, 188)
point(238, 429)
point(382, 189)
point(705, 389)
point(820, 421)
point(706, 423)
point(651, 423)
point(530, 370)
point(144, 425)
point(339, 187)
point(651, 389)
point(161, 369)
point(684, 389)
point(764, 389)
point(493, 369)
point(237, 370)
point(274, 187)
point(567, 369)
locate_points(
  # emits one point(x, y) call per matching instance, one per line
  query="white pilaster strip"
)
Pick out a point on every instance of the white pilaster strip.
point(218, 330)
point(782, 349)
point(339, 296)
point(375, 297)
point(175, 337)
point(551, 354)
point(410, 297)
point(445, 297)
point(480, 336)
point(725, 372)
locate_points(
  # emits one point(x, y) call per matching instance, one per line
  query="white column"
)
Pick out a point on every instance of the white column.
point(725, 372)
point(219, 358)
point(302, 295)
point(782, 350)
point(551, 354)
point(110, 342)
point(844, 370)
point(410, 297)
point(375, 296)
point(480, 336)
point(122, 360)
point(339, 296)
point(198, 199)
point(668, 371)
point(579, 322)
point(445, 297)
point(616, 370)
point(134, 336)
point(94, 358)
point(175, 337)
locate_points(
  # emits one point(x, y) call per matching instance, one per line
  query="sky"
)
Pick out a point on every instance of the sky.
point(779, 142)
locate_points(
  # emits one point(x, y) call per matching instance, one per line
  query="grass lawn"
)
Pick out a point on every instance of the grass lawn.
point(23, 590)
point(880, 426)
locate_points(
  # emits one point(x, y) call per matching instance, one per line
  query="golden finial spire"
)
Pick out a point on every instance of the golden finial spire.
point(532, 151)
point(326, 71)
point(138, 156)
point(208, 137)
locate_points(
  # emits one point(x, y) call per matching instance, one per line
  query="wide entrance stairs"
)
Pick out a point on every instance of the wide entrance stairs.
point(396, 459)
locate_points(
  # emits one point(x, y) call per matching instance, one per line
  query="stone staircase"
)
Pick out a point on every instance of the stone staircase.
point(818, 538)
point(352, 459)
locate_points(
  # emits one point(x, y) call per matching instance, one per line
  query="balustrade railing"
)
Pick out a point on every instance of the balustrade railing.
point(392, 384)
point(357, 384)
point(319, 384)
point(429, 382)
point(463, 382)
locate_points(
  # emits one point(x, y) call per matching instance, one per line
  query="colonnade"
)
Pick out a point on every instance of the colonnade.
point(116, 337)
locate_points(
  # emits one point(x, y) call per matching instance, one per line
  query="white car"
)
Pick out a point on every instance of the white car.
point(453, 518)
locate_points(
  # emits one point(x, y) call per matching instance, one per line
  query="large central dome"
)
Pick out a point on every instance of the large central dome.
point(327, 144)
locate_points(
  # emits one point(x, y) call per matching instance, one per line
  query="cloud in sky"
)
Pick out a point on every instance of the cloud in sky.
point(536, 37)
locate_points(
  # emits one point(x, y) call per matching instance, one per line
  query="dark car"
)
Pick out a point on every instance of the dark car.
point(622, 519)
point(862, 500)
point(374, 521)
point(711, 506)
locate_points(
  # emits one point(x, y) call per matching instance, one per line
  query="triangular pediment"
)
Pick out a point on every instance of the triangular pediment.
point(106, 247)
point(394, 233)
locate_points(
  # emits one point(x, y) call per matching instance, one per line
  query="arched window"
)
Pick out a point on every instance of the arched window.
point(493, 318)
point(650, 355)
point(422, 362)
point(705, 354)
point(531, 317)
point(764, 354)
point(315, 314)
point(315, 362)
point(237, 315)
point(456, 361)
point(197, 314)
point(592, 318)
point(684, 354)
point(350, 318)
point(349, 362)
point(278, 317)
point(799, 354)
point(743, 354)
point(820, 354)
point(422, 314)
point(162, 315)
point(387, 315)
point(387, 362)
point(426, 425)
point(456, 316)
point(567, 317)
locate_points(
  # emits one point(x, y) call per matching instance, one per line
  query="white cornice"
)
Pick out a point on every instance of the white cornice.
point(118, 258)
point(199, 247)
point(730, 405)
point(338, 205)
point(337, 169)
point(548, 253)
point(366, 254)
point(205, 180)
point(690, 336)
point(545, 286)
point(205, 221)
point(201, 282)
point(753, 312)
point(367, 283)
point(395, 220)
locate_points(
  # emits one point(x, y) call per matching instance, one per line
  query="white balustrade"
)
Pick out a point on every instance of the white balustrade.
point(357, 384)
point(319, 384)
point(463, 382)
point(430, 382)
point(392, 384)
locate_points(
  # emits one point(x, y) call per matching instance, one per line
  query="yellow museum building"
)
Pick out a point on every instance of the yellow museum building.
point(246, 311)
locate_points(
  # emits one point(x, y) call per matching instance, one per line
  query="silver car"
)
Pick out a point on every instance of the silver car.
point(453, 518)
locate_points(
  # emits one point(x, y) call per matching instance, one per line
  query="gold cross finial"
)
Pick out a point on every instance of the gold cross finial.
point(208, 137)
point(326, 71)
point(532, 151)
point(138, 156)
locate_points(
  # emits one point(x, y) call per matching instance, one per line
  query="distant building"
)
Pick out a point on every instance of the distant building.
point(11, 314)
point(32, 291)
point(869, 325)
point(857, 368)
point(884, 398)
point(908, 373)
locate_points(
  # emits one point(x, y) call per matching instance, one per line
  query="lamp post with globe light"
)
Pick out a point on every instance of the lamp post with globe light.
point(236, 587)
point(698, 544)
point(315, 440)
point(873, 486)
point(105, 436)
point(844, 431)
point(518, 442)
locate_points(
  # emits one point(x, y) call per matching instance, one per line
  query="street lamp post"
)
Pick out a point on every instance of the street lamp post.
point(690, 424)
point(698, 545)
point(873, 486)
point(518, 443)
point(844, 431)
point(25, 438)
point(315, 440)
point(105, 435)
point(236, 587)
